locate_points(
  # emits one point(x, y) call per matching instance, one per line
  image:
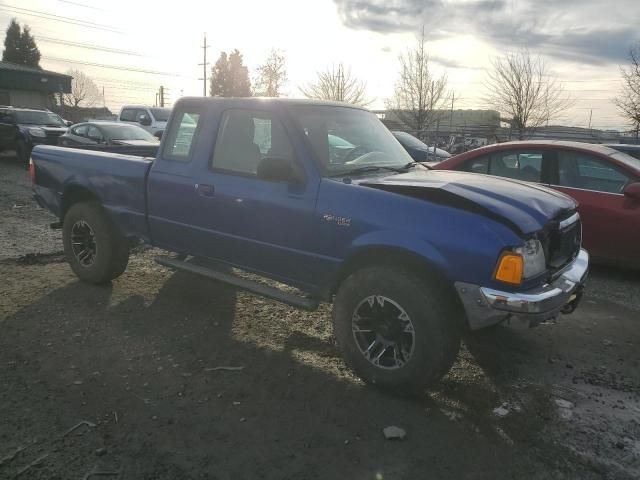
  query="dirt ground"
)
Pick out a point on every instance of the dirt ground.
point(136, 361)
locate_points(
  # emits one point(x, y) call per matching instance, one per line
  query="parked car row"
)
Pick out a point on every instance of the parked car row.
point(604, 181)
point(23, 128)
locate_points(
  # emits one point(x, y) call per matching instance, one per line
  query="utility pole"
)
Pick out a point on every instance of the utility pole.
point(161, 95)
point(104, 102)
point(453, 98)
point(204, 66)
point(590, 115)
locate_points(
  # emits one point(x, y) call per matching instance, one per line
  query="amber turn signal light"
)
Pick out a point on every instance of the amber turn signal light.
point(510, 268)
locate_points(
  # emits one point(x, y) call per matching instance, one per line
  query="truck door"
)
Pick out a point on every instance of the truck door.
point(270, 225)
point(220, 209)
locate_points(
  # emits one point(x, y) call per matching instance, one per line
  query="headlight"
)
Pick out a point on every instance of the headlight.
point(521, 263)
point(533, 256)
point(37, 132)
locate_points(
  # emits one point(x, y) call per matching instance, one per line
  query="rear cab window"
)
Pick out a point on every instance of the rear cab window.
point(180, 138)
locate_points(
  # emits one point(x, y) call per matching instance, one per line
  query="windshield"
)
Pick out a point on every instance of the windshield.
point(364, 140)
point(31, 117)
point(627, 160)
point(160, 114)
point(410, 140)
point(127, 132)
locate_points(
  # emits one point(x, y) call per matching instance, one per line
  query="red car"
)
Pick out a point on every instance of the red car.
point(604, 181)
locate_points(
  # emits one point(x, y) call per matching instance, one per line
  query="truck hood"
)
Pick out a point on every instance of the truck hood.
point(524, 207)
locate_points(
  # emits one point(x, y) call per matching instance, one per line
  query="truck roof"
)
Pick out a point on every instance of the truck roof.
point(247, 101)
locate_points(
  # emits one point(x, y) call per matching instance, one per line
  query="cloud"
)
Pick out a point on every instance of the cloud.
point(450, 62)
point(576, 30)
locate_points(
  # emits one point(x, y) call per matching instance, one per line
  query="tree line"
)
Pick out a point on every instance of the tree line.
point(519, 85)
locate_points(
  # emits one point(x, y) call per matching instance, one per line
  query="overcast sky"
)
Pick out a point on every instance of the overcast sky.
point(583, 41)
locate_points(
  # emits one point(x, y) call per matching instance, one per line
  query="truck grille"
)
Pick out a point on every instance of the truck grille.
point(562, 241)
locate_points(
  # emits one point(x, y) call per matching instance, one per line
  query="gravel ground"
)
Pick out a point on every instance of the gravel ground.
point(25, 226)
point(136, 360)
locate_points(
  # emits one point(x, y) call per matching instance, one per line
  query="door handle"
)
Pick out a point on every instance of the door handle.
point(204, 190)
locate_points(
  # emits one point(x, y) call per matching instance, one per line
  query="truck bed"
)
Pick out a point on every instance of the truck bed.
point(116, 181)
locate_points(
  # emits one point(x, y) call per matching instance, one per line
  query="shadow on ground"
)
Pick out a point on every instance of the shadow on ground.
point(135, 359)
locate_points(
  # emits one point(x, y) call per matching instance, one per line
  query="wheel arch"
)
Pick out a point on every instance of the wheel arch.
point(398, 257)
point(74, 194)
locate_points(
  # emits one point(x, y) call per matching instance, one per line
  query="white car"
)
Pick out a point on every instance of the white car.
point(152, 119)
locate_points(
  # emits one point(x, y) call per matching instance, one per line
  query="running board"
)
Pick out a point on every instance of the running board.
point(241, 283)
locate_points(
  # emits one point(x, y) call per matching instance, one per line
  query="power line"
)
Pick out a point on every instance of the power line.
point(81, 5)
point(87, 46)
point(58, 18)
point(114, 67)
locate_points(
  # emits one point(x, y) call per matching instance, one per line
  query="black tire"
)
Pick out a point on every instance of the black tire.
point(435, 319)
point(23, 152)
point(87, 224)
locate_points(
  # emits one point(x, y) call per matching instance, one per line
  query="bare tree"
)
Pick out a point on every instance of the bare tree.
point(521, 88)
point(84, 91)
point(338, 84)
point(271, 75)
point(628, 102)
point(420, 98)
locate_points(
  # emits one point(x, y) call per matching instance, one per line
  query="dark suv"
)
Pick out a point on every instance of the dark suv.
point(23, 128)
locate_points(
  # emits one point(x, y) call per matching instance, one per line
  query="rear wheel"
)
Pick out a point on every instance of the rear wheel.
point(396, 330)
point(94, 248)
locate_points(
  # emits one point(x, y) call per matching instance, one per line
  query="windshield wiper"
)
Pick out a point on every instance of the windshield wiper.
point(411, 164)
point(369, 168)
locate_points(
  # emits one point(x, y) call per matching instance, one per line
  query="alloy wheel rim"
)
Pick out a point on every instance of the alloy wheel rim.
point(83, 243)
point(383, 332)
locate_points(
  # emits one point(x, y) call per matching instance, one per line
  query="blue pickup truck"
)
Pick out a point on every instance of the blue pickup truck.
point(410, 258)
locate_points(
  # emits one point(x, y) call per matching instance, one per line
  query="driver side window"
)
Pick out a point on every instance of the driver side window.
point(245, 138)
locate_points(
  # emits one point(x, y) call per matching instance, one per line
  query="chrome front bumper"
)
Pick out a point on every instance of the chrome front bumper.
point(486, 306)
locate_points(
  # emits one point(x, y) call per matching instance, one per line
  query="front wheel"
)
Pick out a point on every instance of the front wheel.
point(396, 330)
point(94, 248)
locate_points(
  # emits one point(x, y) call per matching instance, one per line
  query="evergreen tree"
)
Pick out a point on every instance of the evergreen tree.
point(229, 77)
point(240, 85)
point(30, 52)
point(219, 77)
point(12, 51)
point(20, 46)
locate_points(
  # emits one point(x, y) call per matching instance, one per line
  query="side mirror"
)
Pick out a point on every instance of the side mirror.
point(279, 169)
point(68, 123)
point(145, 121)
point(632, 191)
point(158, 134)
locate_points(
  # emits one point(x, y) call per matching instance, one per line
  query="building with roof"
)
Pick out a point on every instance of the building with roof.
point(30, 87)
